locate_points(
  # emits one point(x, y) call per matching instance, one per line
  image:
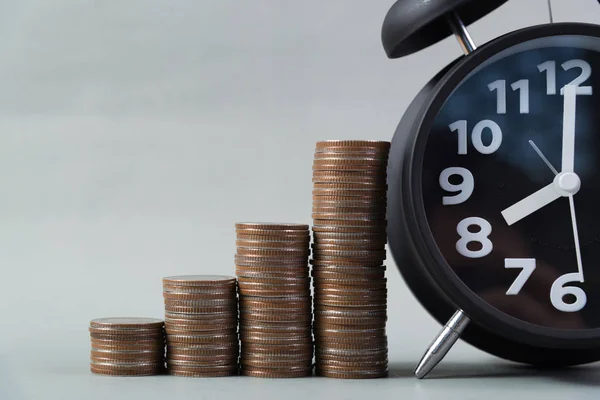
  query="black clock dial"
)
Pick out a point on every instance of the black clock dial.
point(498, 139)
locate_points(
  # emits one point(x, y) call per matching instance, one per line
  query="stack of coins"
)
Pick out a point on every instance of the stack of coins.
point(201, 325)
point(349, 238)
point(275, 299)
point(127, 346)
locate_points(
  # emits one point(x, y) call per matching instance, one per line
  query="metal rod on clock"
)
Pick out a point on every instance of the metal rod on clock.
point(450, 333)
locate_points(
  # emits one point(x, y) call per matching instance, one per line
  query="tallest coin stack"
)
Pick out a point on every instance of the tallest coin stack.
point(349, 238)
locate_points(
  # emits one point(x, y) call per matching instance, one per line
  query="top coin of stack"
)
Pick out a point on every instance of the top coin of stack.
point(127, 346)
point(349, 238)
point(275, 301)
point(201, 325)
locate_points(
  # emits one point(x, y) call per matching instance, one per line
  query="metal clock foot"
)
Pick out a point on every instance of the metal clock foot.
point(442, 343)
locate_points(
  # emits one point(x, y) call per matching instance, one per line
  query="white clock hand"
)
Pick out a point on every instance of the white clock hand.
point(568, 143)
point(576, 237)
point(531, 204)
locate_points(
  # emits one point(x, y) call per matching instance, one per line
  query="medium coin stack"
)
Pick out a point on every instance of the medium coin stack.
point(275, 299)
point(127, 346)
point(348, 253)
point(201, 319)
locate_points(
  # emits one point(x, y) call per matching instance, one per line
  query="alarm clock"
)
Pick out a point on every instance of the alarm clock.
point(494, 186)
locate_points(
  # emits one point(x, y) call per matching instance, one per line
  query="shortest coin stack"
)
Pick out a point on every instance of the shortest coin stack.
point(201, 325)
point(127, 346)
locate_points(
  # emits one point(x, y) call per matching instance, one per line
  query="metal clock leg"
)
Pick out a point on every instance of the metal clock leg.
point(442, 343)
point(459, 321)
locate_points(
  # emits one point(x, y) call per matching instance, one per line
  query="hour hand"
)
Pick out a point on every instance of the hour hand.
point(530, 204)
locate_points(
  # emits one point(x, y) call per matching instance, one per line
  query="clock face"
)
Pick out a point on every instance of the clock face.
point(510, 182)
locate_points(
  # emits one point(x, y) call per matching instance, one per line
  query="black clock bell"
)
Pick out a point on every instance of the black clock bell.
point(494, 191)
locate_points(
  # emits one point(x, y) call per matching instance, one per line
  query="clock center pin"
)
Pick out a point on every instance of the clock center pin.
point(567, 183)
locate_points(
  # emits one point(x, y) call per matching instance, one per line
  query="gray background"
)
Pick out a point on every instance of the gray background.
point(134, 134)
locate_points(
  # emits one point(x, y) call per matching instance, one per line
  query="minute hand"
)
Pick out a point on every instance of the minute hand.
point(568, 135)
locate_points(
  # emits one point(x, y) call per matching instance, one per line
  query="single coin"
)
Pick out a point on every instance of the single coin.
point(201, 371)
point(282, 317)
point(268, 306)
point(377, 144)
point(243, 272)
point(199, 290)
point(200, 339)
point(351, 375)
point(348, 246)
point(229, 295)
point(200, 310)
point(276, 373)
point(287, 234)
point(203, 348)
point(202, 303)
point(175, 352)
point(271, 244)
point(199, 280)
point(290, 259)
point(287, 252)
point(271, 226)
point(349, 186)
point(352, 224)
point(260, 339)
point(127, 372)
point(124, 323)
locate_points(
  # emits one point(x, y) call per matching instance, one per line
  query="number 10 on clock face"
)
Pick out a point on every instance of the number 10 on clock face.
point(509, 188)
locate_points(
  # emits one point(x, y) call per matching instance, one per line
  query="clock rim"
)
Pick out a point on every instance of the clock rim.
point(487, 316)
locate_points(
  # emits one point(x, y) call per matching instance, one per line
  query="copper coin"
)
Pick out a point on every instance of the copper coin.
point(287, 234)
point(276, 281)
point(350, 197)
point(207, 327)
point(203, 374)
point(276, 373)
point(348, 245)
point(276, 307)
point(373, 193)
point(201, 318)
point(319, 177)
point(200, 310)
point(291, 239)
point(127, 337)
point(199, 291)
point(349, 186)
point(363, 306)
point(282, 317)
point(202, 303)
point(125, 332)
point(260, 339)
point(127, 344)
point(203, 348)
point(376, 144)
point(349, 269)
point(231, 295)
point(343, 223)
point(287, 329)
point(275, 273)
point(278, 351)
point(351, 333)
point(174, 368)
point(270, 363)
point(127, 323)
point(297, 253)
point(351, 344)
point(175, 351)
point(338, 151)
point(271, 226)
point(271, 245)
point(281, 260)
point(349, 164)
point(200, 280)
point(127, 372)
point(324, 228)
point(351, 375)
point(214, 359)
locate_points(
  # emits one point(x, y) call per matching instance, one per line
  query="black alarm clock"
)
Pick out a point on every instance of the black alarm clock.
point(494, 190)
